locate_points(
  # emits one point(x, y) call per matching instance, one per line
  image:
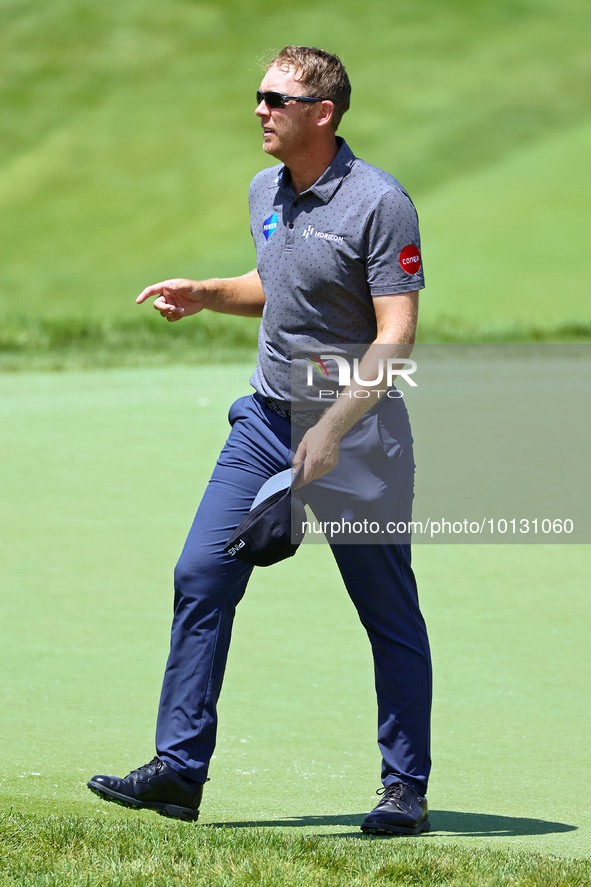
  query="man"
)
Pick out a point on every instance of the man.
point(338, 263)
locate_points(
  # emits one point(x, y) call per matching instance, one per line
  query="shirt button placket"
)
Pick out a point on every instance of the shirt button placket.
point(290, 232)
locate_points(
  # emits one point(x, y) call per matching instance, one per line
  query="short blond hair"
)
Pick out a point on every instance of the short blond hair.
point(321, 73)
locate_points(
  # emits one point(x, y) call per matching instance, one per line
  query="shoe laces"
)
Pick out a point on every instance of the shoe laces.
point(394, 792)
point(155, 762)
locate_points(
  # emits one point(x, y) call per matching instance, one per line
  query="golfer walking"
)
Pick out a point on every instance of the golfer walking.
point(338, 265)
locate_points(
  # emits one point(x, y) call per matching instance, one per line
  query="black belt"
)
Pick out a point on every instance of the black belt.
point(298, 417)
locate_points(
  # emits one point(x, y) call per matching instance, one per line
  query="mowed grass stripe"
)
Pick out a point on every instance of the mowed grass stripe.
point(128, 134)
point(69, 343)
point(68, 850)
point(507, 247)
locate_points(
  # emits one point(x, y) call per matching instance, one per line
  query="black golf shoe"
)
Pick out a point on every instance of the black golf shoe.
point(400, 811)
point(155, 786)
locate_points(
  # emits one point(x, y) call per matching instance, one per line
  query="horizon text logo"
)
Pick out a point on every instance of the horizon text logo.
point(310, 231)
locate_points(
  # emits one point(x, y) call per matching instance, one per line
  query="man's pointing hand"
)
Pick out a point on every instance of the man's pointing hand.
point(176, 298)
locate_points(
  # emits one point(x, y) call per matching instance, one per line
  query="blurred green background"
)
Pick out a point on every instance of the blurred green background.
point(127, 141)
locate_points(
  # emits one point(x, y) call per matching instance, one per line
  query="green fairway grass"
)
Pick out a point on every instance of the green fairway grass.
point(511, 242)
point(105, 470)
point(74, 344)
point(128, 140)
point(73, 851)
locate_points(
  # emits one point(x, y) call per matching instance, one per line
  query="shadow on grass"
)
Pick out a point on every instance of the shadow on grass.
point(452, 822)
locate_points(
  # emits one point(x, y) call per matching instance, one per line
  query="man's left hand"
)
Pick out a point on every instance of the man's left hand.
point(319, 451)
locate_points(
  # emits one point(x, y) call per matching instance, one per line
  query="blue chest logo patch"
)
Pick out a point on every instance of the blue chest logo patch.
point(270, 226)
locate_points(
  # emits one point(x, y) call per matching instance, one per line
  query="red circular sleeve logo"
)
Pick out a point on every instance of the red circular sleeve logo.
point(410, 259)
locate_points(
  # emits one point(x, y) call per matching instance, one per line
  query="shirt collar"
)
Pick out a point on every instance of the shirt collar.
point(331, 178)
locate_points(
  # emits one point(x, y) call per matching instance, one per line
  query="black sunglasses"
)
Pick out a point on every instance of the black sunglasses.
point(278, 100)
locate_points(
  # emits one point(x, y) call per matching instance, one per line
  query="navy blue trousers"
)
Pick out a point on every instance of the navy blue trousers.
point(378, 577)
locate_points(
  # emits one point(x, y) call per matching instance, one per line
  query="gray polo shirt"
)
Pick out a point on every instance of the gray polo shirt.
point(322, 256)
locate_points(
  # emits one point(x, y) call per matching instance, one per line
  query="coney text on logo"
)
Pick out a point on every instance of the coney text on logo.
point(410, 259)
point(310, 231)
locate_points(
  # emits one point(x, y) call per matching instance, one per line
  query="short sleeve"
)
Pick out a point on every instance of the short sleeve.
point(393, 246)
